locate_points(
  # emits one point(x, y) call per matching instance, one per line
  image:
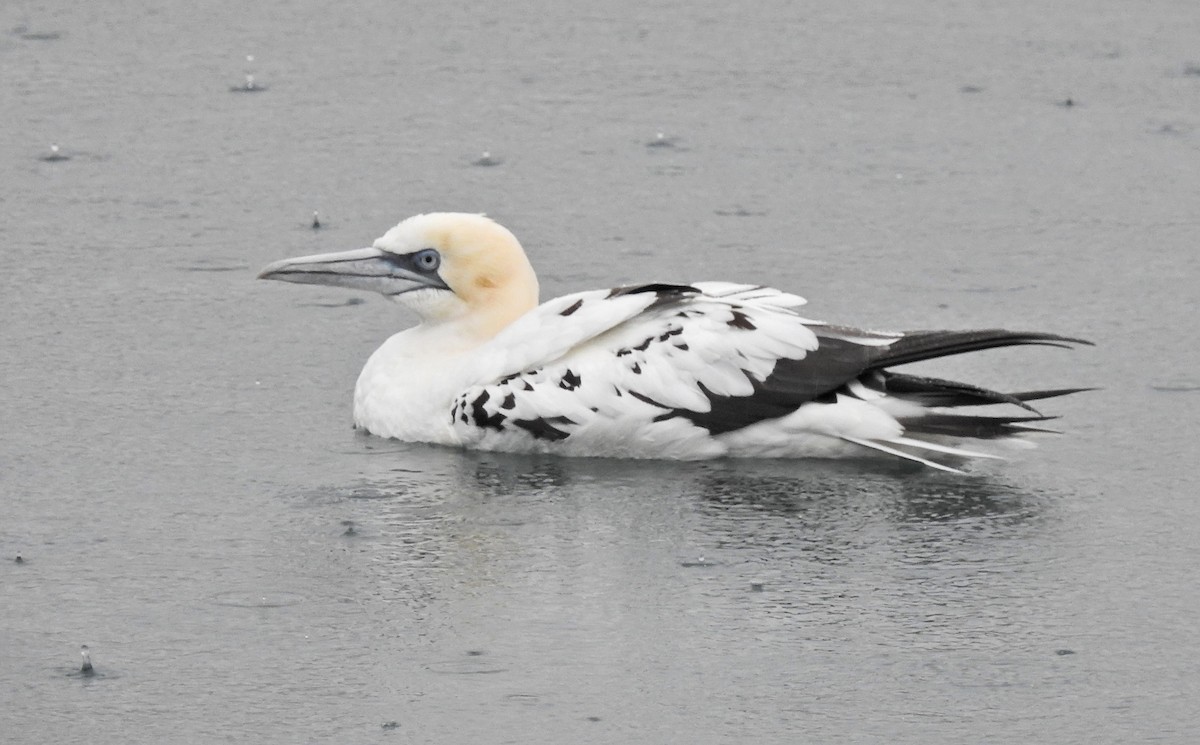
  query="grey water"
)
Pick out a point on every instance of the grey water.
point(185, 495)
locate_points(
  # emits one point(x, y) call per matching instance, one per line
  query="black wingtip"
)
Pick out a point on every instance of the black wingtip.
point(918, 346)
point(1053, 393)
point(975, 427)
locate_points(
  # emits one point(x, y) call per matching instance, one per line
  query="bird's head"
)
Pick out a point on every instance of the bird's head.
point(445, 266)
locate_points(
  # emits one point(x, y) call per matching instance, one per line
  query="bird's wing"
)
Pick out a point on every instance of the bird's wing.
point(699, 360)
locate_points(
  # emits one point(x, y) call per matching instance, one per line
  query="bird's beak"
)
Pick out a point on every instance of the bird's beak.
point(360, 269)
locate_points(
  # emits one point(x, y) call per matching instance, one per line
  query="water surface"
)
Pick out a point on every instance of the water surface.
point(179, 476)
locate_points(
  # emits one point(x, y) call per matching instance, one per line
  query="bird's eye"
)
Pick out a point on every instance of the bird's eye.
point(428, 259)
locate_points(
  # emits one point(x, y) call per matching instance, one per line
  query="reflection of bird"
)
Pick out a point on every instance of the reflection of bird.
point(645, 371)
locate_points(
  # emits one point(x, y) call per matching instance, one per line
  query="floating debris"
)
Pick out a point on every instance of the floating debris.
point(486, 160)
point(87, 668)
point(1067, 103)
point(390, 725)
point(249, 86)
point(661, 140)
point(699, 562)
point(54, 156)
point(756, 587)
point(1192, 69)
point(1064, 652)
point(970, 89)
point(350, 529)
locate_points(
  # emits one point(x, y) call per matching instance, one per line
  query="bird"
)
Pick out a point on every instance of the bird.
point(655, 370)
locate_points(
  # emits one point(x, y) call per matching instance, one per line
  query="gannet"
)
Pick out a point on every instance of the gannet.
point(655, 370)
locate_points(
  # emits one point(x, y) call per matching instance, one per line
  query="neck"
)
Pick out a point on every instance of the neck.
point(488, 315)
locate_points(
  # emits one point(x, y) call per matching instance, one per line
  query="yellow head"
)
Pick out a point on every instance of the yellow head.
point(445, 266)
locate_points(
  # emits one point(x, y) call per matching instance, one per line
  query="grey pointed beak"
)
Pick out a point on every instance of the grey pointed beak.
point(360, 269)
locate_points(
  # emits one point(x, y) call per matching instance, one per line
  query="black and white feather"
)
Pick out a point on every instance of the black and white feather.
point(713, 369)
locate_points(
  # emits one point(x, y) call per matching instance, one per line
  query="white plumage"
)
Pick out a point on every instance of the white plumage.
point(647, 371)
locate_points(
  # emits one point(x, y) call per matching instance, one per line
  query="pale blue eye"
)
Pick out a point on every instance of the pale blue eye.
point(427, 259)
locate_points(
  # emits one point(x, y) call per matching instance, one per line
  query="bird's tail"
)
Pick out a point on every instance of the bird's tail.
point(933, 430)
